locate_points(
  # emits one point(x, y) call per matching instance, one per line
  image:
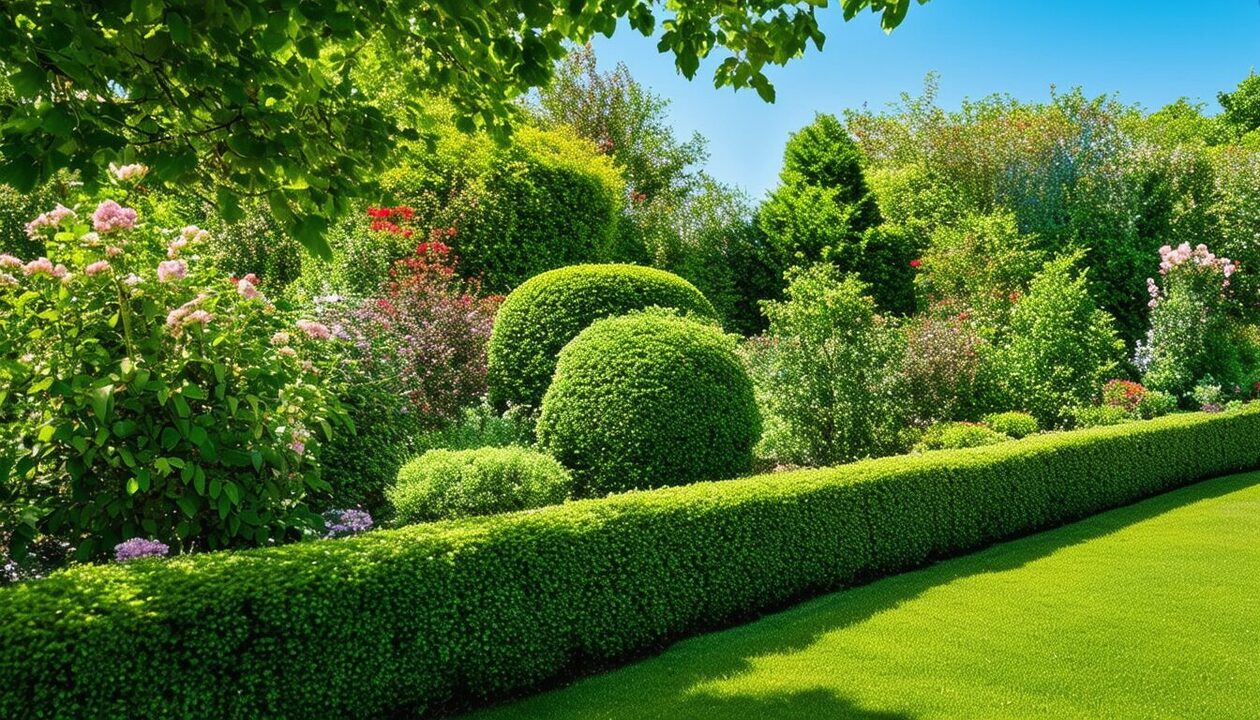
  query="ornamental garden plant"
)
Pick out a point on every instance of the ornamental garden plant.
point(147, 395)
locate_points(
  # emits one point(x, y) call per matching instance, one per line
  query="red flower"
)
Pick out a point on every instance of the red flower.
point(916, 263)
point(405, 212)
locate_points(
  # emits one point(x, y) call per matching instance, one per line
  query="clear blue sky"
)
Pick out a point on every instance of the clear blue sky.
point(1147, 52)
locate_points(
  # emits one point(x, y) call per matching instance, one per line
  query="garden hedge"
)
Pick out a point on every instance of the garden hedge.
point(547, 311)
point(459, 611)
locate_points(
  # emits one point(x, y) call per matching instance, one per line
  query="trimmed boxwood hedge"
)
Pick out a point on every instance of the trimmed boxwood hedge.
point(547, 311)
point(409, 618)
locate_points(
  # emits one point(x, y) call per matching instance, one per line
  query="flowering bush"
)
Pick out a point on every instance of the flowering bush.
point(143, 393)
point(945, 370)
point(137, 548)
point(338, 523)
point(1191, 334)
point(418, 358)
point(1124, 394)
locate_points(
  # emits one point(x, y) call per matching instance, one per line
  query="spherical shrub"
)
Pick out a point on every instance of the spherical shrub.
point(550, 309)
point(1015, 424)
point(443, 484)
point(649, 399)
point(953, 435)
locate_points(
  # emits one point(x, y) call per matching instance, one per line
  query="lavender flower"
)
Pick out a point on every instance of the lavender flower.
point(137, 548)
point(346, 522)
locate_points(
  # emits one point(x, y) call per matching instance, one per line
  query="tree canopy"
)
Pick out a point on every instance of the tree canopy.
point(259, 98)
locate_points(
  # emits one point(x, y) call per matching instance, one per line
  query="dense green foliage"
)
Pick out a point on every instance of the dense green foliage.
point(826, 372)
point(649, 399)
point(1061, 347)
point(538, 318)
point(545, 200)
point(1015, 424)
point(985, 630)
point(443, 484)
point(955, 435)
point(419, 616)
point(261, 97)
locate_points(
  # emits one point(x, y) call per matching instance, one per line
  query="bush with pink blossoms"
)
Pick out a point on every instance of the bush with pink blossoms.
point(1191, 333)
point(143, 393)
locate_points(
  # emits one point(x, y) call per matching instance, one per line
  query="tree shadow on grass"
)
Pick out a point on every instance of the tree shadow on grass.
point(665, 686)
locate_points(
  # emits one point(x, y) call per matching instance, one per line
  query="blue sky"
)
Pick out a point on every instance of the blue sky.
point(1149, 52)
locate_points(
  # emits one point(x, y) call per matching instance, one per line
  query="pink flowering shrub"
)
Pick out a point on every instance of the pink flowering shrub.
point(144, 394)
point(1191, 334)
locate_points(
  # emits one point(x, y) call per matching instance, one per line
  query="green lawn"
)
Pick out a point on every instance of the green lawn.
point(1150, 611)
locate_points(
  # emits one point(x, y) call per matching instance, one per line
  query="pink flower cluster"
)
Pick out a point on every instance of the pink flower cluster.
point(170, 270)
point(43, 266)
point(50, 219)
point(1183, 255)
point(8, 261)
point(1170, 257)
point(123, 173)
point(186, 314)
point(95, 268)
point(314, 330)
point(247, 287)
point(111, 216)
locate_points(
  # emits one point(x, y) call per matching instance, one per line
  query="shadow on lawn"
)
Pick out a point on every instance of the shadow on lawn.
point(665, 686)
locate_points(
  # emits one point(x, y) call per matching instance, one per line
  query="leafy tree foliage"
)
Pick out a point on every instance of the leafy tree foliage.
point(259, 98)
point(822, 205)
point(1242, 106)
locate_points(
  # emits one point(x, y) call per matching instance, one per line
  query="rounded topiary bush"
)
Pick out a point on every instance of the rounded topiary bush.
point(955, 435)
point(1015, 424)
point(649, 399)
point(444, 484)
point(550, 309)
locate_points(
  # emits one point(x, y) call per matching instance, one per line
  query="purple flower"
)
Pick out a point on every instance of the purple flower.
point(137, 548)
point(346, 522)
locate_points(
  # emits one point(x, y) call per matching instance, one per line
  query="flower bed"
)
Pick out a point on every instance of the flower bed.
point(461, 611)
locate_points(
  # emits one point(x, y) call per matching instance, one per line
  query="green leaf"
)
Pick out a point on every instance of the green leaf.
point(101, 401)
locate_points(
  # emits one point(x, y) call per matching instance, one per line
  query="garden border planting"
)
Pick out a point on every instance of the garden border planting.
point(477, 608)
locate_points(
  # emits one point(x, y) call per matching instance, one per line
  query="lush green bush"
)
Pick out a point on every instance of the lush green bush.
point(1060, 346)
point(545, 200)
point(1155, 404)
point(442, 484)
point(822, 206)
point(955, 435)
point(144, 394)
point(1015, 424)
point(978, 268)
point(404, 620)
point(256, 244)
point(538, 318)
point(481, 426)
point(1087, 416)
point(826, 372)
point(19, 208)
point(649, 399)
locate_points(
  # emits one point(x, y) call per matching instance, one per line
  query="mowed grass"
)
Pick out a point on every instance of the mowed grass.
point(1149, 611)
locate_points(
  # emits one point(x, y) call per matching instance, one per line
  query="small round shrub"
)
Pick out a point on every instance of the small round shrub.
point(953, 435)
point(649, 399)
point(443, 484)
point(1155, 403)
point(550, 309)
point(1015, 424)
